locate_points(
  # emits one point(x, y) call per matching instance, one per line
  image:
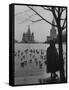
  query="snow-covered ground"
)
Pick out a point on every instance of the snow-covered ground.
point(29, 63)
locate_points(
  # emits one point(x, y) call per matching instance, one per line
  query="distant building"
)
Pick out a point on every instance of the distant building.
point(28, 37)
point(52, 32)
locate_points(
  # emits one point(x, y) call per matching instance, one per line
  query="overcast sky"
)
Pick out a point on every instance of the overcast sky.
point(22, 20)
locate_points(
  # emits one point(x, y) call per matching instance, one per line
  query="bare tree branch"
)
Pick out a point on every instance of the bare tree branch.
point(63, 26)
point(56, 9)
point(54, 14)
point(42, 17)
point(36, 20)
point(64, 22)
point(62, 9)
point(62, 18)
point(27, 18)
point(47, 8)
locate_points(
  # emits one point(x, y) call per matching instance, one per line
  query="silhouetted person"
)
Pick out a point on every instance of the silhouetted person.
point(52, 57)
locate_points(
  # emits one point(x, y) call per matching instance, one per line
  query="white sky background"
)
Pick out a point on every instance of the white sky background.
point(41, 29)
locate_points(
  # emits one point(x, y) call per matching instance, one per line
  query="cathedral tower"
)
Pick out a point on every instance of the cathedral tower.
point(53, 31)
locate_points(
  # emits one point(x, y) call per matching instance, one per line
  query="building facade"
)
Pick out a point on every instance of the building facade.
point(28, 37)
point(53, 34)
point(53, 31)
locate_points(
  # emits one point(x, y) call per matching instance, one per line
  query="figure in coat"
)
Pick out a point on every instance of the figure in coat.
point(52, 59)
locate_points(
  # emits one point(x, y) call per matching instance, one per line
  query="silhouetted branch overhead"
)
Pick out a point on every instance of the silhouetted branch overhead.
point(56, 9)
point(63, 26)
point(42, 17)
point(27, 18)
point(64, 22)
point(62, 10)
point(57, 14)
point(62, 18)
point(54, 14)
point(50, 8)
point(36, 20)
point(47, 8)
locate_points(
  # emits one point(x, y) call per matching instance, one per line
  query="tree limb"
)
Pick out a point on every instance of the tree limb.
point(47, 8)
point(27, 18)
point(63, 26)
point(62, 18)
point(56, 9)
point(36, 20)
point(54, 14)
point(62, 9)
point(42, 17)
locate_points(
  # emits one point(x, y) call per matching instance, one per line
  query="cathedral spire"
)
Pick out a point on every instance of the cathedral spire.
point(53, 30)
point(29, 32)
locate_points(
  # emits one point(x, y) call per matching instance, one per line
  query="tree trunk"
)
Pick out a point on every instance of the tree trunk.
point(62, 76)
